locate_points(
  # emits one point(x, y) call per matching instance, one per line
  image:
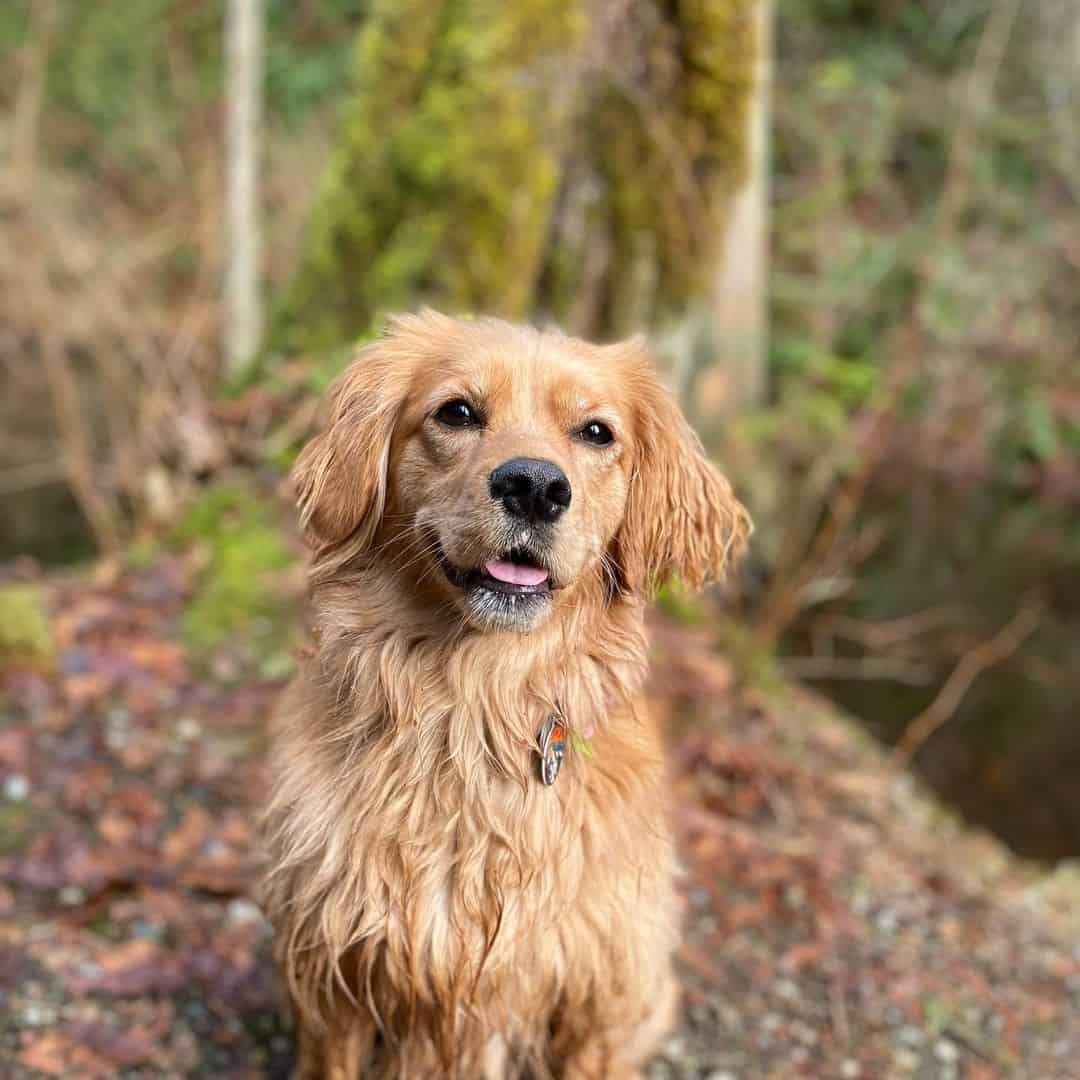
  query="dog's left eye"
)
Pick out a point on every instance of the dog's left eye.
point(597, 433)
point(457, 413)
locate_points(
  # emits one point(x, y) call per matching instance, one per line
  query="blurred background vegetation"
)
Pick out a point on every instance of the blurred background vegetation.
point(913, 463)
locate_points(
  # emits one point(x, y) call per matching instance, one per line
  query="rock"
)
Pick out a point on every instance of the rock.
point(16, 788)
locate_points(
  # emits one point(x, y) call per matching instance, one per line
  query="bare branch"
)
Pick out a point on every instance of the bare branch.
point(981, 658)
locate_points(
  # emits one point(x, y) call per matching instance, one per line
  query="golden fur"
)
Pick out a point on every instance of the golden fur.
point(438, 911)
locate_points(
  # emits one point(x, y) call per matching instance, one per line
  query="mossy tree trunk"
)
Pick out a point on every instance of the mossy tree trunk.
point(543, 159)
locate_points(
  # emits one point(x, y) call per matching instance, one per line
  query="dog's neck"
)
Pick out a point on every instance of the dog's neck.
point(392, 662)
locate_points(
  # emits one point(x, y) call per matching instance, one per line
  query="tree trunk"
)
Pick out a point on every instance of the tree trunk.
point(549, 159)
point(243, 93)
point(738, 376)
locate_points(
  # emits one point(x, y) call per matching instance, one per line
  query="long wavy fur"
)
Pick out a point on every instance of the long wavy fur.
point(438, 912)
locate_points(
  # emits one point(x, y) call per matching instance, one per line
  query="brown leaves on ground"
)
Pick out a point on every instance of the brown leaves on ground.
point(839, 924)
point(128, 936)
point(836, 926)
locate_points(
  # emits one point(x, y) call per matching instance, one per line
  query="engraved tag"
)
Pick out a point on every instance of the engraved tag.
point(552, 744)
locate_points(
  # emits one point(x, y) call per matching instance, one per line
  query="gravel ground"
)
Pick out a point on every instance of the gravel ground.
point(838, 923)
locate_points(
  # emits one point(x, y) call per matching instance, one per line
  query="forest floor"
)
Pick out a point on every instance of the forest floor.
point(838, 923)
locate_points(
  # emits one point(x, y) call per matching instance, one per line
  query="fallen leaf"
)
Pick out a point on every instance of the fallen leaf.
point(188, 836)
point(15, 749)
point(136, 967)
point(56, 1054)
point(128, 955)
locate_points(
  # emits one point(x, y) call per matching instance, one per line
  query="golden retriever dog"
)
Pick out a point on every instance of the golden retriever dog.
point(471, 872)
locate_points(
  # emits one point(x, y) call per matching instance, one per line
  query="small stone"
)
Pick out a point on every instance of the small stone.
point(37, 1014)
point(188, 729)
point(946, 1051)
point(675, 1047)
point(887, 921)
point(910, 1035)
point(850, 1069)
point(16, 788)
point(906, 1060)
point(72, 895)
point(241, 912)
point(196, 1010)
point(116, 739)
point(721, 1074)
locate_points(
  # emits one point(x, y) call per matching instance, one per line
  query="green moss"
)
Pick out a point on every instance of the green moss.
point(142, 553)
point(236, 598)
point(499, 158)
point(754, 661)
point(16, 820)
point(682, 604)
point(671, 149)
point(25, 636)
point(442, 180)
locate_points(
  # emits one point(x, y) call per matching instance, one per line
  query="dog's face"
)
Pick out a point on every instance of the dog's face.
point(498, 468)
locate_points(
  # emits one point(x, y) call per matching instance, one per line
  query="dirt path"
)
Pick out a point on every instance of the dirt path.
point(837, 925)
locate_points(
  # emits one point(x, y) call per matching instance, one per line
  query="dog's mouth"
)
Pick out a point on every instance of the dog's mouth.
point(515, 573)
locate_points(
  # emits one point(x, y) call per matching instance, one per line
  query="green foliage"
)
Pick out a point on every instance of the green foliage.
point(870, 114)
point(25, 635)
point(139, 72)
point(681, 604)
point(1036, 430)
point(754, 661)
point(848, 381)
point(308, 53)
point(238, 596)
point(16, 826)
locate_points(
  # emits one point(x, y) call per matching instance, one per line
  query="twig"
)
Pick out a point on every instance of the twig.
point(78, 448)
point(857, 669)
point(890, 632)
point(981, 658)
point(781, 605)
point(32, 475)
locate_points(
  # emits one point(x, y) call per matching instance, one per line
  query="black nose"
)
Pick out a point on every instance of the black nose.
point(531, 489)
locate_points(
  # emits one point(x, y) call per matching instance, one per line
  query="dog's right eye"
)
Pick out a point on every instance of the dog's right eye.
point(458, 413)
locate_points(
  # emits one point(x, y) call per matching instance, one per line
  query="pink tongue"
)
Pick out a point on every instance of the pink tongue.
point(515, 573)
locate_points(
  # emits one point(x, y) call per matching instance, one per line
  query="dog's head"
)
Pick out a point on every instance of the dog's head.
point(498, 469)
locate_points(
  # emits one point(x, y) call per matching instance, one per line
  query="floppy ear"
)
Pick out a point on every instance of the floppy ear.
point(341, 474)
point(681, 515)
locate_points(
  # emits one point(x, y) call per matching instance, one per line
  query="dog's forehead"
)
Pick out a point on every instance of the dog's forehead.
point(528, 368)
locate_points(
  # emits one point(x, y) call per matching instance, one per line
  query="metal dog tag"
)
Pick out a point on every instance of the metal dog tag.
point(552, 744)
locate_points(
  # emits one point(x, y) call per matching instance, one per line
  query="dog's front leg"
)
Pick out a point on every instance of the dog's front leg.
point(598, 1060)
point(337, 1053)
point(619, 1054)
